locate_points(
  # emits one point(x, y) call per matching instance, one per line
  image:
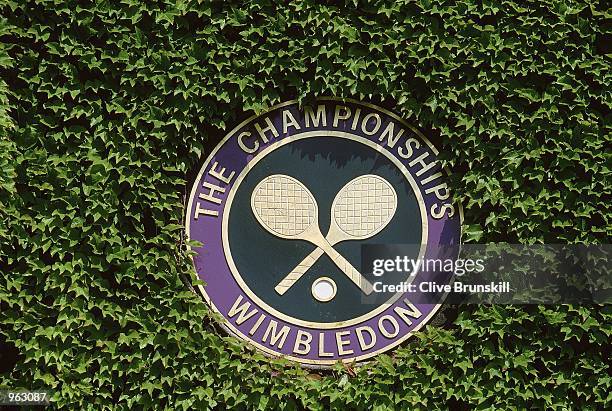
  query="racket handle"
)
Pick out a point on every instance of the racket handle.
point(297, 273)
point(347, 268)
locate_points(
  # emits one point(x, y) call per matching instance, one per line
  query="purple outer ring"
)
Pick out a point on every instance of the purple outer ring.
point(221, 289)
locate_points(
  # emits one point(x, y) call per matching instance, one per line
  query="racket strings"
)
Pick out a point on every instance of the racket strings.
point(364, 206)
point(284, 206)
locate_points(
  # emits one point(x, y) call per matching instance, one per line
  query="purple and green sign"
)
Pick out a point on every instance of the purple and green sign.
point(282, 208)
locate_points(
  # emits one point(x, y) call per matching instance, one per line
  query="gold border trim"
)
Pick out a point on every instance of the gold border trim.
point(226, 324)
point(261, 155)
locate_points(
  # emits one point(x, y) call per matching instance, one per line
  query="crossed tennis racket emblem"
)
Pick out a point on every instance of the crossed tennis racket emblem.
point(287, 209)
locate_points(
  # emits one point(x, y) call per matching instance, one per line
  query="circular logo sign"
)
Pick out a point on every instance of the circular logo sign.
point(282, 209)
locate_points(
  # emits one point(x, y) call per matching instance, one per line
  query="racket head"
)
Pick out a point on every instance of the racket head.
point(284, 206)
point(364, 206)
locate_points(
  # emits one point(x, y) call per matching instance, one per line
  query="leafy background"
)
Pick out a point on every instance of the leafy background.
point(107, 107)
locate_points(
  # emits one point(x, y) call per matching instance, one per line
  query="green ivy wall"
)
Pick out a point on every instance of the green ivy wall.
point(106, 108)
